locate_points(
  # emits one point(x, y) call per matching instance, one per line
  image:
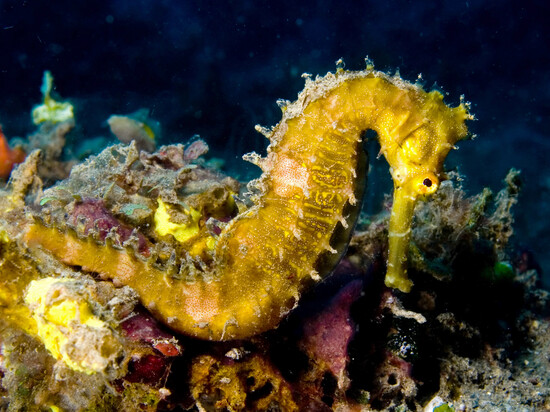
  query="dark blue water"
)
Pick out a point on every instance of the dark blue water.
point(216, 69)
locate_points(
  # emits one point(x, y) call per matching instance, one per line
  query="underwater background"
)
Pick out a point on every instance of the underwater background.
point(217, 68)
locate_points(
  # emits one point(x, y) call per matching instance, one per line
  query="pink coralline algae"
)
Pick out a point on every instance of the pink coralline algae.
point(154, 349)
point(144, 328)
point(327, 335)
point(195, 150)
point(92, 214)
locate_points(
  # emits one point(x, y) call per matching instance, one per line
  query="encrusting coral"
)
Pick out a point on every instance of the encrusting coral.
point(249, 384)
point(69, 329)
point(249, 276)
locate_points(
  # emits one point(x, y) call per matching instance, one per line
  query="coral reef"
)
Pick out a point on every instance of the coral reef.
point(110, 274)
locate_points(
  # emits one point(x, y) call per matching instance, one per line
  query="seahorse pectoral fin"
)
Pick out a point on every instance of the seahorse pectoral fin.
point(399, 236)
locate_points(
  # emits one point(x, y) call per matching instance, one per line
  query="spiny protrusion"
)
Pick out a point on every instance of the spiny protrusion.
point(343, 221)
point(283, 104)
point(112, 238)
point(214, 225)
point(132, 247)
point(254, 189)
point(329, 248)
point(255, 159)
point(266, 131)
point(340, 66)
point(171, 266)
point(307, 78)
point(420, 83)
point(397, 74)
point(468, 106)
point(297, 233)
point(369, 64)
point(315, 276)
point(252, 157)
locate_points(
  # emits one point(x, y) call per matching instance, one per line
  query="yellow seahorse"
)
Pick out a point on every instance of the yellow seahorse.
point(310, 193)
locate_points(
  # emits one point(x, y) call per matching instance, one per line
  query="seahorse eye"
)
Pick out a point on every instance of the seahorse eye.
point(426, 185)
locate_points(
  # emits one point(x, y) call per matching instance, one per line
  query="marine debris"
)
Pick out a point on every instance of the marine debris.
point(109, 275)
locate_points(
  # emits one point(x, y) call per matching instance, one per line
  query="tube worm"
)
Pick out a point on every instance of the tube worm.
point(309, 196)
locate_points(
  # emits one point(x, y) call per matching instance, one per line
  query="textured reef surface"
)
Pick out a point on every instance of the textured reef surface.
point(144, 278)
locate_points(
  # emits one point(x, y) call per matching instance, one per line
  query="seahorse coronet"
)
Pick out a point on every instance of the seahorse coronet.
point(309, 196)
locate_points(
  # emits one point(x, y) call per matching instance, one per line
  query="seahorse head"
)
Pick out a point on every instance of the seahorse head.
point(416, 153)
